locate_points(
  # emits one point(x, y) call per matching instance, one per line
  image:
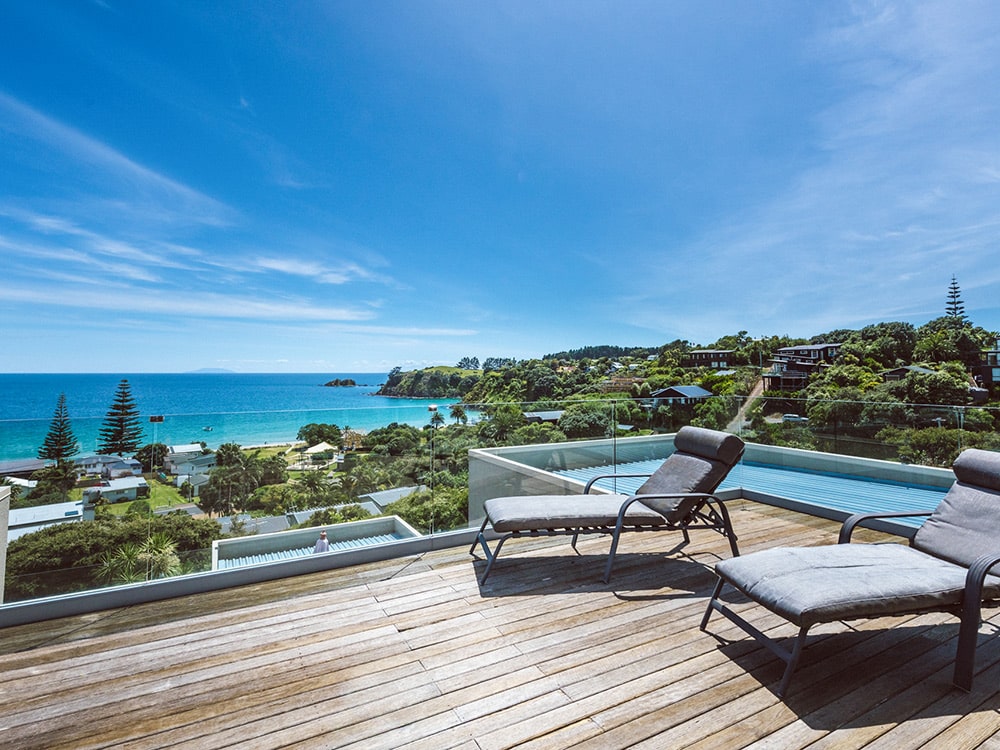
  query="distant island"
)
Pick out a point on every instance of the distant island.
point(340, 382)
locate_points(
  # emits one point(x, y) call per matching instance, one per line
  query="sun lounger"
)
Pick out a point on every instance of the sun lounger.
point(945, 568)
point(677, 497)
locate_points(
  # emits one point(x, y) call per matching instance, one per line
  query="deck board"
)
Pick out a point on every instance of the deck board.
point(416, 653)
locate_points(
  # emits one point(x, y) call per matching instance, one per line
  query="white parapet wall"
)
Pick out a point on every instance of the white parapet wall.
point(287, 545)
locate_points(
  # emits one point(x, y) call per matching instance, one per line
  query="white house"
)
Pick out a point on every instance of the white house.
point(27, 520)
point(116, 490)
point(179, 457)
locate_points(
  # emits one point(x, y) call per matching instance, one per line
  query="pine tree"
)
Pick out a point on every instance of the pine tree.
point(121, 432)
point(60, 442)
point(955, 308)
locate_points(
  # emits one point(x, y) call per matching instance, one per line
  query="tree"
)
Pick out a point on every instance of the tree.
point(229, 454)
point(154, 557)
point(60, 442)
point(955, 308)
point(273, 470)
point(53, 485)
point(586, 419)
point(457, 412)
point(468, 363)
point(314, 434)
point(152, 456)
point(122, 430)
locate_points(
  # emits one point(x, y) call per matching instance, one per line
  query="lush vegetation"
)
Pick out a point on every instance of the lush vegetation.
point(71, 556)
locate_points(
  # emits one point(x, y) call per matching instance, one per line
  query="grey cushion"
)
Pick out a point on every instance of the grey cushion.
point(539, 512)
point(711, 444)
point(701, 460)
point(966, 523)
point(809, 585)
point(978, 467)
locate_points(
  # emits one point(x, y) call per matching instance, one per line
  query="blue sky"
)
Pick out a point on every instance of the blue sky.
point(350, 186)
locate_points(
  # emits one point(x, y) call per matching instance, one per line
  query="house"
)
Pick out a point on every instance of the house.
point(536, 417)
point(987, 372)
point(714, 358)
point(791, 366)
point(178, 454)
point(28, 520)
point(23, 468)
point(119, 490)
point(679, 394)
point(109, 467)
point(197, 481)
point(185, 463)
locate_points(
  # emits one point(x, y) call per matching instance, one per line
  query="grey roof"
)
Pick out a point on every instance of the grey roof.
point(23, 465)
point(684, 391)
point(543, 416)
point(382, 498)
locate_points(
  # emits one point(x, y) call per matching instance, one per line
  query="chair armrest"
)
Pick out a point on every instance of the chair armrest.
point(858, 518)
point(669, 496)
point(586, 490)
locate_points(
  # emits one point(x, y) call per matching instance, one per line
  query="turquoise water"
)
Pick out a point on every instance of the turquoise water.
point(249, 409)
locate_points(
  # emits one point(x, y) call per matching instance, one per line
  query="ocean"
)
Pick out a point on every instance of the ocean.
point(214, 408)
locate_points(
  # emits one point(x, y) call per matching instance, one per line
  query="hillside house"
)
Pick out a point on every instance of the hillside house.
point(679, 394)
point(791, 366)
point(987, 372)
point(717, 359)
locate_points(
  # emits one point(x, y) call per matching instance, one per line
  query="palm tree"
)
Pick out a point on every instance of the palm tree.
point(156, 557)
point(457, 412)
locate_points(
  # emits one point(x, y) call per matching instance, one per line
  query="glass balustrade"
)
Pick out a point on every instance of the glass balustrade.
point(200, 505)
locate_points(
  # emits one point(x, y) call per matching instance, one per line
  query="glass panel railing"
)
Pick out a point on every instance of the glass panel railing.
point(255, 487)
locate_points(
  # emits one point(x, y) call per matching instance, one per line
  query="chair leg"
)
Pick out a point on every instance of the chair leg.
point(968, 637)
point(615, 536)
point(711, 603)
point(793, 662)
point(490, 556)
point(727, 526)
point(791, 658)
point(479, 539)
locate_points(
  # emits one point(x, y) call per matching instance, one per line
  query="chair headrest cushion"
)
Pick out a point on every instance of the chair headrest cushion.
point(978, 467)
point(710, 444)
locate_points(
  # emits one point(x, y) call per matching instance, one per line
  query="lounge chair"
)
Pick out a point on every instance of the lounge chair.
point(943, 569)
point(676, 497)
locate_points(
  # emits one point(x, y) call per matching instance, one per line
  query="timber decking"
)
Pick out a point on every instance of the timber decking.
point(413, 653)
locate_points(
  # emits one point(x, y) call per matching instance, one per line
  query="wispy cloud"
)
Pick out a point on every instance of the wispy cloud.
point(323, 273)
point(109, 166)
point(203, 306)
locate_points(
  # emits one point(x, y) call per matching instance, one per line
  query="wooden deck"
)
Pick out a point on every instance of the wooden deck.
point(414, 653)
